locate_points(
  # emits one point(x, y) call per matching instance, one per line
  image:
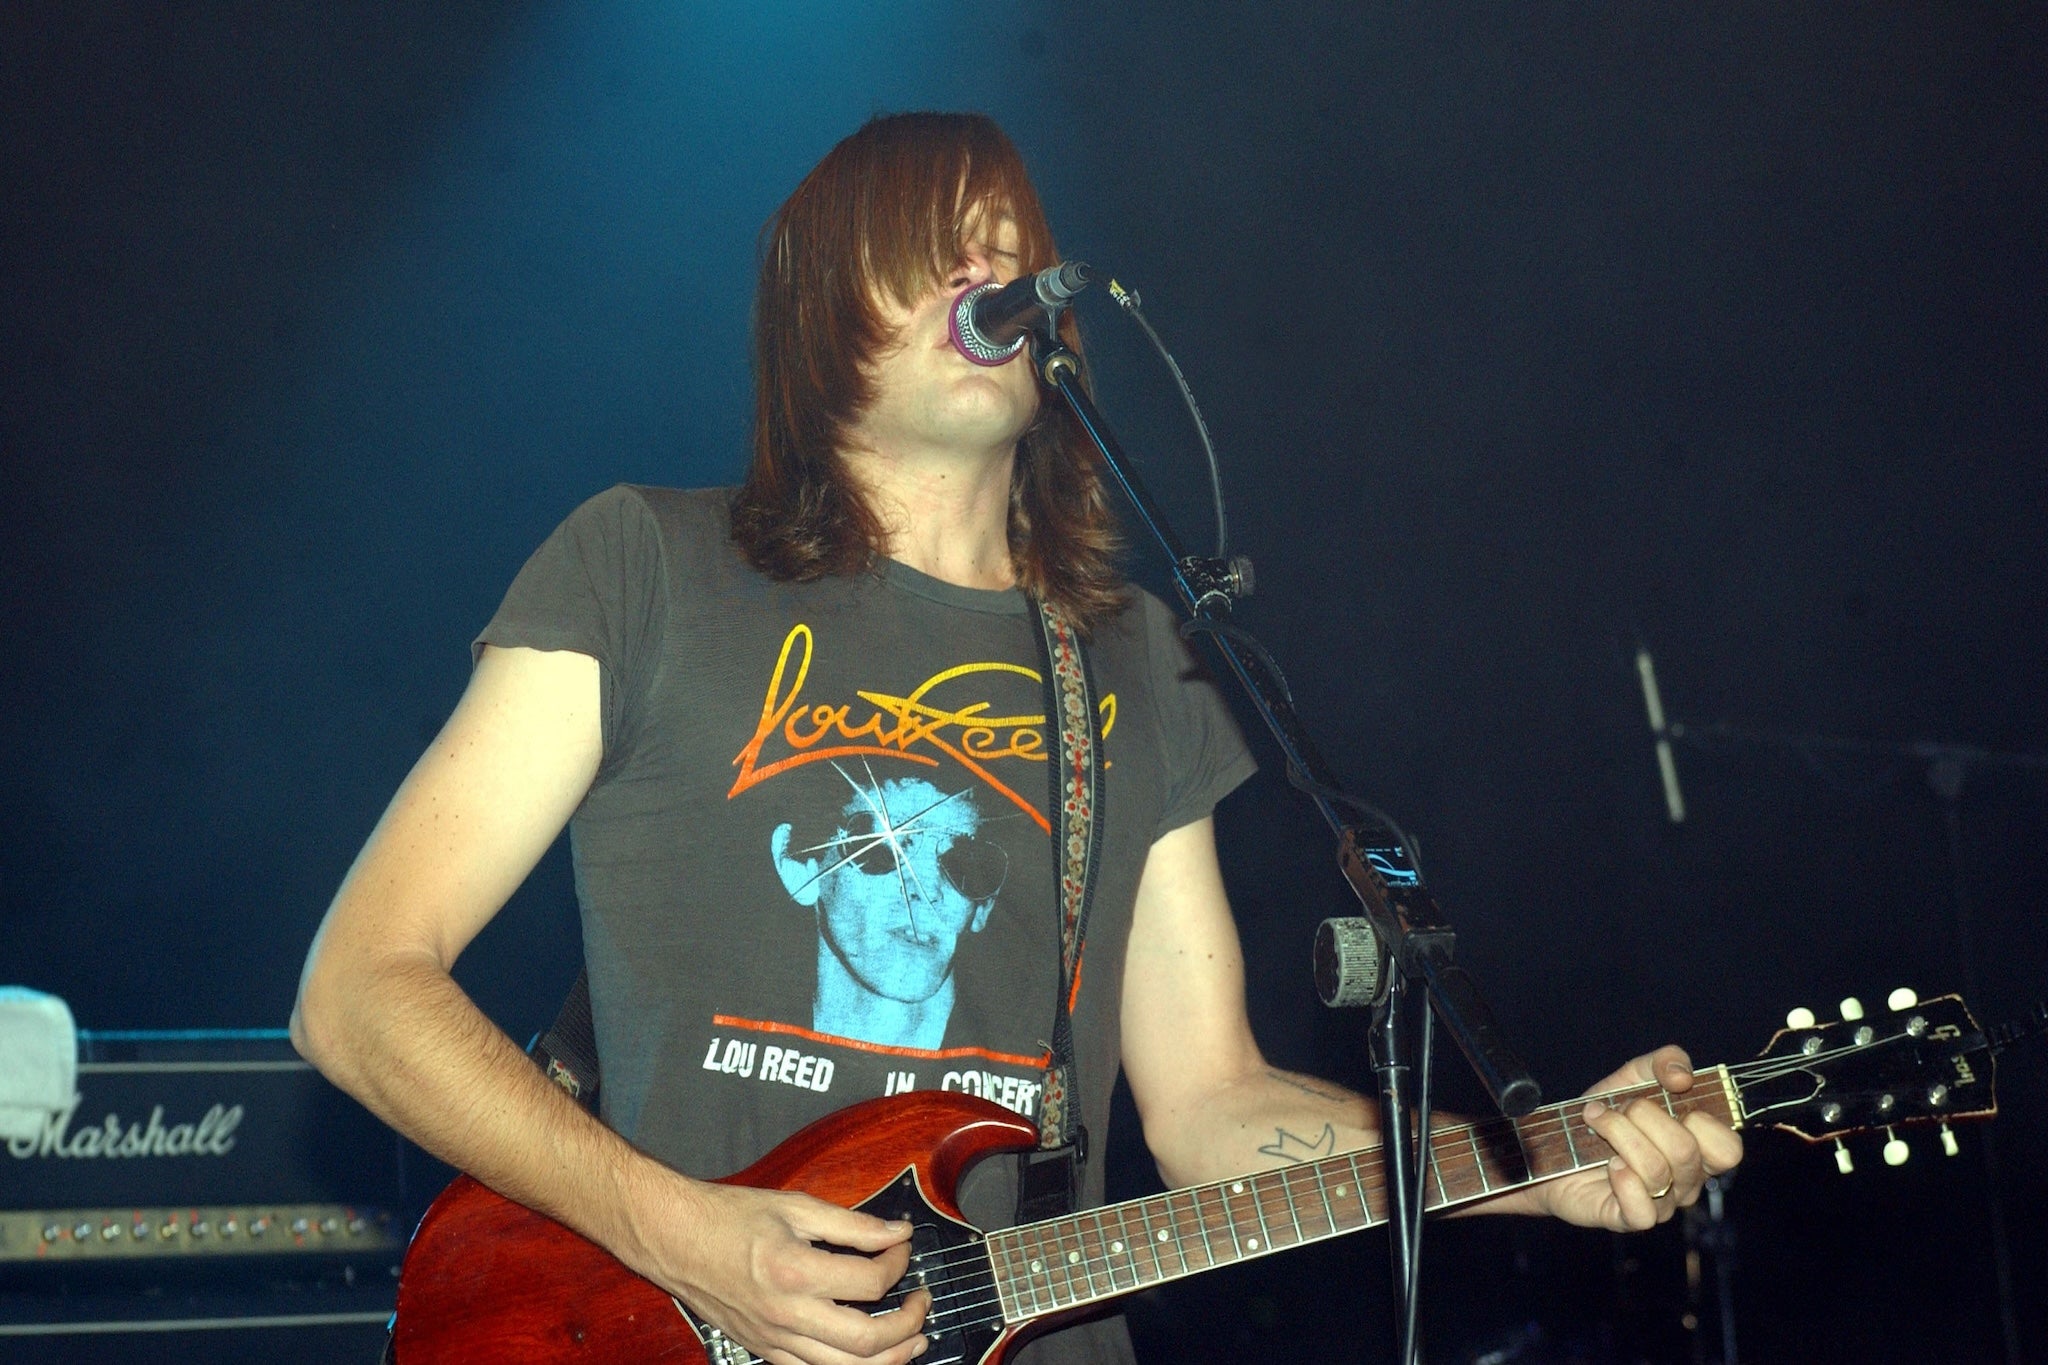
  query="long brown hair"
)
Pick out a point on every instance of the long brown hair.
point(884, 211)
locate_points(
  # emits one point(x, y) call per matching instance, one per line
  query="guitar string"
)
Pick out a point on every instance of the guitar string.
point(1269, 1194)
point(1268, 1190)
point(950, 1310)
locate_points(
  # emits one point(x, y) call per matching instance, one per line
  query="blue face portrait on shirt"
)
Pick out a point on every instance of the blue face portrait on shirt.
point(903, 872)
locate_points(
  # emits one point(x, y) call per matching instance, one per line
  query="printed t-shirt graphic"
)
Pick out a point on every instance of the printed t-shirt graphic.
point(905, 870)
point(896, 819)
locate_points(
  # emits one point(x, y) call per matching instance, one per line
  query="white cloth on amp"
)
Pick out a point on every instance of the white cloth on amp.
point(38, 1060)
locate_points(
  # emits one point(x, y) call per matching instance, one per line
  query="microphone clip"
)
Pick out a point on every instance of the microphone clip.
point(1217, 582)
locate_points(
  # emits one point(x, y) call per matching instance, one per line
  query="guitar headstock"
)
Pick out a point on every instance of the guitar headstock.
point(1922, 1061)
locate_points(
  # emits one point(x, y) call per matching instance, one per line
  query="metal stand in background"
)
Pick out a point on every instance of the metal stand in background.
point(1413, 936)
point(1710, 1245)
point(1947, 767)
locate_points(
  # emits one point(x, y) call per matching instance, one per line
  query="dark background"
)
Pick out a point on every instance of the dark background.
point(1528, 333)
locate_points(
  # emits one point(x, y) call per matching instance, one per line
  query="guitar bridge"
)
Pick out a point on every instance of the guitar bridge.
point(719, 1348)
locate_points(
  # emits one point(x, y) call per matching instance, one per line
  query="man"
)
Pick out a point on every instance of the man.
point(673, 669)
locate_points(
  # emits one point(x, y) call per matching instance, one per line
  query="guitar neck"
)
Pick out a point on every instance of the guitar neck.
point(1070, 1262)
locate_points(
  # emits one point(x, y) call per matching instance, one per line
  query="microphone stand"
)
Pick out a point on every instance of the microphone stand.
point(1414, 937)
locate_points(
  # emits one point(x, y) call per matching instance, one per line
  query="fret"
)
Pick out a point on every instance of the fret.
point(1015, 1281)
point(1357, 1188)
point(1133, 1243)
point(999, 1260)
point(1089, 1251)
point(1103, 1253)
point(1049, 1267)
point(1531, 1148)
point(1255, 1188)
point(1021, 1277)
point(1223, 1193)
point(1571, 1145)
point(1361, 1182)
point(1092, 1254)
point(1323, 1190)
point(1529, 1161)
point(1136, 1242)
point(1202, 1221)
point(1180, 1240)
point(1061, 1258)
point(1478, 1158)
point(1293, 1208)
point(1149, 1235)
point(1115, 1248)
point(1442, 1197)
point(1029, 1256)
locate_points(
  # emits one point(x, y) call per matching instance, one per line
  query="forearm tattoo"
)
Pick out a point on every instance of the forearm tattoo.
point(1293, 1082)
point(1288, 1146)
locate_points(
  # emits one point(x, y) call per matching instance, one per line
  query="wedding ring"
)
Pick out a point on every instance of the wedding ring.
point(1659, 1194)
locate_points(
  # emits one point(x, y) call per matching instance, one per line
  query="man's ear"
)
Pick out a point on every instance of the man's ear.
point(981, 914)
point(799, 877)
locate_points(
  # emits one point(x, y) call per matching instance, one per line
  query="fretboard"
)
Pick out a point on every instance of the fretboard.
point(1083, 1258)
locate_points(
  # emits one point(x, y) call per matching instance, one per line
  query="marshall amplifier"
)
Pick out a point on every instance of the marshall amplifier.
point(203, 1179)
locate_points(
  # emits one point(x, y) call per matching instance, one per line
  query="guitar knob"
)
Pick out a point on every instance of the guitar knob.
point(1895, 1150)
point(1852, 1009)
point(1843, 1161)
point(1902, 999)
point(1800, 1018)
point(1948, 1142)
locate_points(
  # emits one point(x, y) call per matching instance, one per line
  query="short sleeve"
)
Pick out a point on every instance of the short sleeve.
point(597, 586)
point(1206, 756)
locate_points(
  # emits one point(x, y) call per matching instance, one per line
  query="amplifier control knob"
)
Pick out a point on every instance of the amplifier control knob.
point(230, 1225)
point(357, 1226)
point(82, 1233)
point(330, 1225)
point(259, 1225)
point(51, 1232)
point(109, 1231)
point(300, 1227)
point(169, 1229)
point(201, 1228)
point(139, 1230)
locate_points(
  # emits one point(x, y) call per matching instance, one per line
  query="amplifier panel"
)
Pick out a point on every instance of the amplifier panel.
point(184, 1121)
point(68, 1236)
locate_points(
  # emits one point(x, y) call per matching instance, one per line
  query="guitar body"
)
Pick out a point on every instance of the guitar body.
point(488, 1282)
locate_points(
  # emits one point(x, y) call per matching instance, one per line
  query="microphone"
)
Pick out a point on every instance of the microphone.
point(1667, 766)
point(991, 321)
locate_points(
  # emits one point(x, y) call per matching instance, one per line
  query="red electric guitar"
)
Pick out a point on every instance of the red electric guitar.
point(489, 1282)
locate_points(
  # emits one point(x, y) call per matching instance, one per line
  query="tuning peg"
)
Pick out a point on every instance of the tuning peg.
point(1895, 1149)
point(1902, 999)
point(1843, 1161)
point(1949, 1146)
point(1852, 1009)
point(1800, 1018)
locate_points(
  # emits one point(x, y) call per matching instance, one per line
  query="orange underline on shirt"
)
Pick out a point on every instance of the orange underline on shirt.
point(862, 1045)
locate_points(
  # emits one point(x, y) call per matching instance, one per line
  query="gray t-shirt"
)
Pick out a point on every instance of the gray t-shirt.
point(815, 866)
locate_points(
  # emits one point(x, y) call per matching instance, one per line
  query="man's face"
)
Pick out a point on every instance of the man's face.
point(927, 397)
point(908, 875)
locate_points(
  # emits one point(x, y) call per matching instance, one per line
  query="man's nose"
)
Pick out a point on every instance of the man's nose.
point(974, 267)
